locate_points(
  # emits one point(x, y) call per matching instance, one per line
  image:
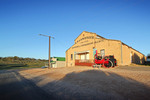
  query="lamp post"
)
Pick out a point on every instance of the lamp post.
point(49, 55)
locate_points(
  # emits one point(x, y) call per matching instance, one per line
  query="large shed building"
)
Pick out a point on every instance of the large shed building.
point(82, 51)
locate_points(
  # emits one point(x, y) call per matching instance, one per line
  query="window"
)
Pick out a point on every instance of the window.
point(83, 57)
point(102, 52)
point(87, 56)
point(77, 56)
point(71, 56)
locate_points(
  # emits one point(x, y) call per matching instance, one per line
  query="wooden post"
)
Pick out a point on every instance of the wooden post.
point(49, 64)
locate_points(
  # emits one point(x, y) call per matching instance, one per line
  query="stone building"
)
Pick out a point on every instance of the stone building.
point(82, 51)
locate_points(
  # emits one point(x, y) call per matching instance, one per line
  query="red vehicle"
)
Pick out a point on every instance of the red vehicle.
point(106, 61)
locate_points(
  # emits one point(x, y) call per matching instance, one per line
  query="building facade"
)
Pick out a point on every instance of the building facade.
point(83, 50)
point(57, 62)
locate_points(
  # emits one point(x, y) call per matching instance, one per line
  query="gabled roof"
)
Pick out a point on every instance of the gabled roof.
point(106, 39)
point(90, 33)
point(101, 36)
point(132, 48)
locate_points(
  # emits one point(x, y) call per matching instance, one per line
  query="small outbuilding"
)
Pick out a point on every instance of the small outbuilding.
point(83, 50)
point(58, 62)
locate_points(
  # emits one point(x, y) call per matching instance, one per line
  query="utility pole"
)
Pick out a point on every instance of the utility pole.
point(49, 55)
point(49, 60)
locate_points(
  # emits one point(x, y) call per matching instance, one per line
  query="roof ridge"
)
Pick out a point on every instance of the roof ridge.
point(90, 33)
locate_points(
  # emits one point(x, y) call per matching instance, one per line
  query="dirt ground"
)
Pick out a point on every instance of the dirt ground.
point(86, 83)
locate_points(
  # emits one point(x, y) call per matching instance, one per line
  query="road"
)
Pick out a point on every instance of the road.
point(15, 87)
point(76, 83)
point(87, 83)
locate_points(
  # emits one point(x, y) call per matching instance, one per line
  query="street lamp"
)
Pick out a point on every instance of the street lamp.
point(49, 57)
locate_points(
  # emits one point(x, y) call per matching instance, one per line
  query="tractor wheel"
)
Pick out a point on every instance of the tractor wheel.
point(108, 65)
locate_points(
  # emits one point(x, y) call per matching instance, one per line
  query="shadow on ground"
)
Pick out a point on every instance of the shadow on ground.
point(96, 85)
point(85, 85)
point(15, 87)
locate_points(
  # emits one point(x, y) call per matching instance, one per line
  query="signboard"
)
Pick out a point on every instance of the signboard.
point(94, 51)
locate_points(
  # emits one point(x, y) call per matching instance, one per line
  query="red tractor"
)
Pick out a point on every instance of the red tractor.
point(106, 61)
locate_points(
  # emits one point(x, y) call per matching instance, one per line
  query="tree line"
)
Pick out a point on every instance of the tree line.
point(17, 59)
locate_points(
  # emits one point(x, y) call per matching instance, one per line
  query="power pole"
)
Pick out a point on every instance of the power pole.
point(49, 55)
point(49, 62)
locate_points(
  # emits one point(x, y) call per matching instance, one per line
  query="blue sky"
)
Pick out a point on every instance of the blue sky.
point(22, 20)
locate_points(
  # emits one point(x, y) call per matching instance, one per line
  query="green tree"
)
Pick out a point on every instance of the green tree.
point(16, 58)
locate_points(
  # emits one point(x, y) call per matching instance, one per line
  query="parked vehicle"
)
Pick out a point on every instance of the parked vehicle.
point(147, 62)
point(106, 61)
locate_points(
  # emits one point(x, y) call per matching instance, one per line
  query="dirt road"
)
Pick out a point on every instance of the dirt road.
point(86, 83)
point(15, 87)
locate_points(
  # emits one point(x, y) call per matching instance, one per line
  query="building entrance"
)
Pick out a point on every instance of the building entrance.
point(82, 58)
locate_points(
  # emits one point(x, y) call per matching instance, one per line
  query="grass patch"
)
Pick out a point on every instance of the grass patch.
point(19, 62)
point(19, 66)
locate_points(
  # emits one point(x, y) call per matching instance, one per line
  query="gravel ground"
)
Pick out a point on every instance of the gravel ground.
point(15, 87)
point(86, 83)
